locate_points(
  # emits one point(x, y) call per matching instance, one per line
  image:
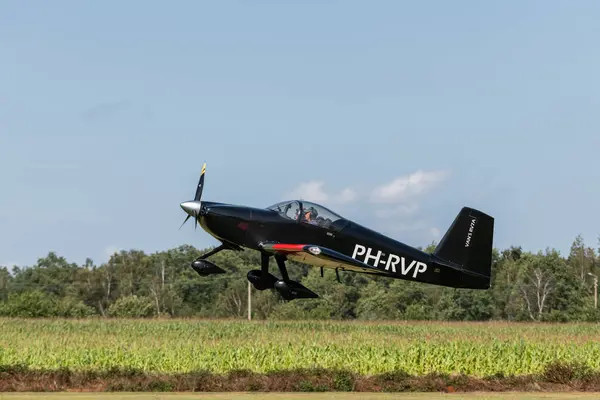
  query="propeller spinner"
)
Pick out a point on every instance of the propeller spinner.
point(192, 208)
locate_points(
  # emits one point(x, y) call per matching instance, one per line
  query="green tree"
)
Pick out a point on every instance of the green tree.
point(466, 305)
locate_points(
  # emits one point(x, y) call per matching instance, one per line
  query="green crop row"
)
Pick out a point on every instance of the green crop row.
point(168, 346)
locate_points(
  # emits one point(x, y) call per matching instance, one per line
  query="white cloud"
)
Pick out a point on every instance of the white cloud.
point(406, 188)
point(401, 210)
point(346, 196)
point(313, 191)
point(435, 232)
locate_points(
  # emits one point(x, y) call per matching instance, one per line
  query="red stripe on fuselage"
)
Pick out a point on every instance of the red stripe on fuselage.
point(289, 247)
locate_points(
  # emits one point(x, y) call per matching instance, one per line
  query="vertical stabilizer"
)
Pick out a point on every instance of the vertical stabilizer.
point(468, 245)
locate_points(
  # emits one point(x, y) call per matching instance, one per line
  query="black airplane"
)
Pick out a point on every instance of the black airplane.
point(312, 234)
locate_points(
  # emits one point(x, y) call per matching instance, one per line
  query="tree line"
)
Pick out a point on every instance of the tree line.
point(526, 286)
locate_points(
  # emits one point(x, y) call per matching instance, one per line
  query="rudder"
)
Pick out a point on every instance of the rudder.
point(468, 245)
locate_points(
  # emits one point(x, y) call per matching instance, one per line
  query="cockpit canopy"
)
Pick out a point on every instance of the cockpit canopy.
point(307, 212)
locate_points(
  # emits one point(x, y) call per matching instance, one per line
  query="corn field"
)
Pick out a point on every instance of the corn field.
point(168, 346)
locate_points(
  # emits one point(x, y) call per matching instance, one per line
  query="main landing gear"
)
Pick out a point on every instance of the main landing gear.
point(260, 279)
point(288, 289)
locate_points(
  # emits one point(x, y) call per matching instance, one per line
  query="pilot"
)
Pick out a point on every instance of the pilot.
point(310, 216)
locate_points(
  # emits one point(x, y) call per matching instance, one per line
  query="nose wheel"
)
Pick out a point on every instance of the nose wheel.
point(204, 267)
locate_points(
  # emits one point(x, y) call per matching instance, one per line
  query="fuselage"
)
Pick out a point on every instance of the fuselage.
point(306, 232)
point(249, 227)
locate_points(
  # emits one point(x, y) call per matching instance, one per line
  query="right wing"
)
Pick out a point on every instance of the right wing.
point(320, 256)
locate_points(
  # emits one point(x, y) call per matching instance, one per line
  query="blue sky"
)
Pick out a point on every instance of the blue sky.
point(395, 114)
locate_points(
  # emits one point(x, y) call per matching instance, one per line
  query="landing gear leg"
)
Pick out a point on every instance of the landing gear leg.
point(264, 263)
point(281, 264)
point(212, 252)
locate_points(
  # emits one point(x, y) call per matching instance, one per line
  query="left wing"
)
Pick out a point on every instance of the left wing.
point(320, 256)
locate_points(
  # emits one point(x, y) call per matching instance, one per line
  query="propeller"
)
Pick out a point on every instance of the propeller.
point(198, 195)
point(192, 208)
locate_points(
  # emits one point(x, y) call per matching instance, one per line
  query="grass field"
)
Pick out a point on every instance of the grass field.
point(392, 351)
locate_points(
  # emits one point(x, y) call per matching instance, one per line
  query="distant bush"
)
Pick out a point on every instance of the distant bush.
point(417, 312)
point(132, 307)
point(71, 307)
point(36, 303)
point(29, 304)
